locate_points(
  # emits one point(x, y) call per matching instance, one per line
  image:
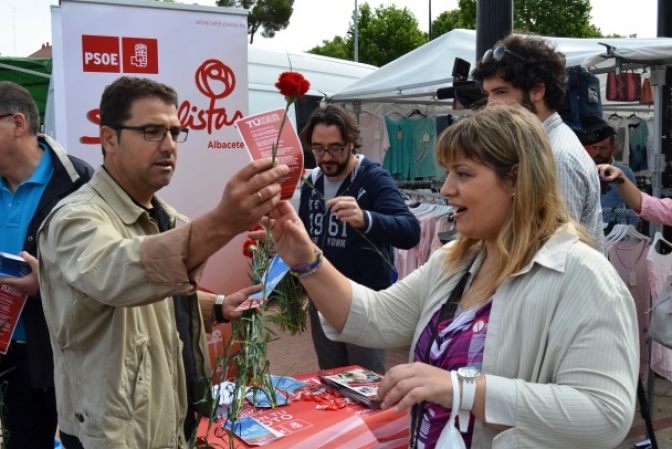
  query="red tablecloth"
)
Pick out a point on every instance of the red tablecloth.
point(305, 427)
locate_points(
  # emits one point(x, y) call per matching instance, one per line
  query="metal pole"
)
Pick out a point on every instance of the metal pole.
point(14, 28)
point(664, 18)
point(430, 20)
point(356, 33)
point(494, 21)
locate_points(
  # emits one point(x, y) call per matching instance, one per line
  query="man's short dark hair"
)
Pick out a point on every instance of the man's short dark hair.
point(118, 98)
point(332, 115)
point(540, 63)
point(16, 98)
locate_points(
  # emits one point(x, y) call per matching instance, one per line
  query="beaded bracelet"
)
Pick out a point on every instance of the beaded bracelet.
point(306, 269)
point(306, 265)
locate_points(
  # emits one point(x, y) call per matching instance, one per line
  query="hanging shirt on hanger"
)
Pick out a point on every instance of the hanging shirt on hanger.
point(424, 140)
point(639, 135)
point(398, 158)
point(375, 140)
point(629, 258)
point(659, 267)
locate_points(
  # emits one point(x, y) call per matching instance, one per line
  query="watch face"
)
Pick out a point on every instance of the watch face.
point(468, 372)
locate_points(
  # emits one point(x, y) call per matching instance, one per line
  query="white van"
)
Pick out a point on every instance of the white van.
point(326, 75)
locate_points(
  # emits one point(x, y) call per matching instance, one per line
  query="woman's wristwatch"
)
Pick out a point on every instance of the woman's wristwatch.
point(468, 375)
point(218, 309)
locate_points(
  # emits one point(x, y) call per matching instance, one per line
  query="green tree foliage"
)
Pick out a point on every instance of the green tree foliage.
point(338, 47)
point(447, 21)
point(269, 16)
point(561, 18)
point(384, 35)
point(566, 18)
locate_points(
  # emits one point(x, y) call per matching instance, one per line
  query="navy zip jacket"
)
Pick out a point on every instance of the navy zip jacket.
point(70, 173)
point(389, 224)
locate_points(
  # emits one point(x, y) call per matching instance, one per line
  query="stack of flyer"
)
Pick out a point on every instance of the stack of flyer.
point(252, 432)
point(13, 266)
point(354, 382)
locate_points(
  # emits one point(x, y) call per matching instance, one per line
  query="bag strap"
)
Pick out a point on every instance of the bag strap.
point(448, 309)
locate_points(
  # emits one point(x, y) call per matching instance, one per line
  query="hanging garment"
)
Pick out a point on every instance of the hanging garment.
point(424, 140)
point(659, 268)
point(629, 258)
point(398, 158)
point(374, 139)
point(639, 135)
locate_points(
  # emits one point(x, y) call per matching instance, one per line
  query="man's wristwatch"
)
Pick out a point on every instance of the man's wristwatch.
point(219, 309)
point(468, 375)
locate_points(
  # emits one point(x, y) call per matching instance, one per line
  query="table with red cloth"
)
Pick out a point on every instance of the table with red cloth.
point(306, 427)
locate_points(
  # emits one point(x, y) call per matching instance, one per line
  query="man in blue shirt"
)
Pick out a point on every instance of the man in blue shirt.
point(35, 173)
point(603, 153)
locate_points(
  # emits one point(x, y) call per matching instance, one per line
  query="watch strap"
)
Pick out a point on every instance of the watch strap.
point(218, 309)
point(468, 393)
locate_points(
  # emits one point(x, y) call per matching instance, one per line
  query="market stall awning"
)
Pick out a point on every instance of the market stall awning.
point(415, 77)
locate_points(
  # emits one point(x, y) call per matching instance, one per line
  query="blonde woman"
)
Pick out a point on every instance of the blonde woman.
point(538, 325)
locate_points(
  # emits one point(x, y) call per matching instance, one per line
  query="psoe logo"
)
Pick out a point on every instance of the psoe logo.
point(110, 54)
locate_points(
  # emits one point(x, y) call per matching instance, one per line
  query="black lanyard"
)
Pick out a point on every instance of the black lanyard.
point(447, 310)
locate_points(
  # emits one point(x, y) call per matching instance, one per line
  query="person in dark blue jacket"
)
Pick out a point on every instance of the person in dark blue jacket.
point(354, 212)
point(35, 174)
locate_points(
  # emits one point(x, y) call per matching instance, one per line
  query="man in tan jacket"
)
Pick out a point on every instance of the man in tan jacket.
point(119, 279)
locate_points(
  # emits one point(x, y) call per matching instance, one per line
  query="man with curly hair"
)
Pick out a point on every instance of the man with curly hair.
point(529, 71)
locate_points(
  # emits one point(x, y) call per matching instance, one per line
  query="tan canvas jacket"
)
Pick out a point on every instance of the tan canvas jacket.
point(107, 283)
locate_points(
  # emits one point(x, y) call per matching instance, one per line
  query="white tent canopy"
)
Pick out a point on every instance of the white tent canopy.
point(415, 77)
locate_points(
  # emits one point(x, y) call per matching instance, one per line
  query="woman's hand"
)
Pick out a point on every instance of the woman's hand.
point(409, 384)
point(609, 172)
point(292, 242)
point(27, 284)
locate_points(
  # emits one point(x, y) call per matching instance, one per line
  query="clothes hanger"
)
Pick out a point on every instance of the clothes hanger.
point(615, 232)
point(630, 231)
point(658, 241)
point(634, 120)
point(416, 111)
point(615, 120)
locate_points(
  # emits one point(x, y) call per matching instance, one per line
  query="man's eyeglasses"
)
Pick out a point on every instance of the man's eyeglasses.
point(155, 133)
point(6, 115)
point(333, 150)
point(498, 53)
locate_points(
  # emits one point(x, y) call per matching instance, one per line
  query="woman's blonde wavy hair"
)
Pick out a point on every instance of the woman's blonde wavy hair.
point(502, 137)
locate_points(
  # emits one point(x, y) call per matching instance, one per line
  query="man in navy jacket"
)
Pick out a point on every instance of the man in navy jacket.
point(35, 174)
point(354, 212)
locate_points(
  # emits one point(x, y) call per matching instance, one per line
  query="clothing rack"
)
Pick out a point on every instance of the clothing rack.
point(419, 183)
point(625, 212)
point(425, 194)
point(645, 397)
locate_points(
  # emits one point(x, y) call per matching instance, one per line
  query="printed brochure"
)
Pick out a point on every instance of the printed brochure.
point(354, 382)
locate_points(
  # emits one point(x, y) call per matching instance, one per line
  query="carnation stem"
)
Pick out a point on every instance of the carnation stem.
point(274, 148)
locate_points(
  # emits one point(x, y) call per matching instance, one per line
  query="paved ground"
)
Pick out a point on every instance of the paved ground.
point(294, 355)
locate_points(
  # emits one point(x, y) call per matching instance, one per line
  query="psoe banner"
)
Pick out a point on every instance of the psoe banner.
point(202, 53)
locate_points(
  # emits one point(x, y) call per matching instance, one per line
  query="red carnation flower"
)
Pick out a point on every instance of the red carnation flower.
point(292, 85)
point(249, 247)
point(257, 228)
